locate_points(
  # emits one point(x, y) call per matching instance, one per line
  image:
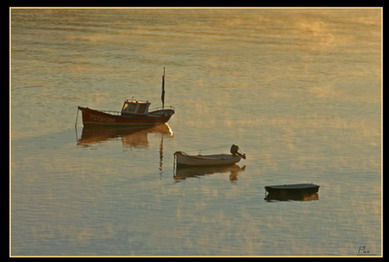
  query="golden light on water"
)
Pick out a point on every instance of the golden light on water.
point(299, 90)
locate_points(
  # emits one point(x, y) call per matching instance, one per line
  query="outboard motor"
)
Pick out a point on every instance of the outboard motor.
point(234, 150)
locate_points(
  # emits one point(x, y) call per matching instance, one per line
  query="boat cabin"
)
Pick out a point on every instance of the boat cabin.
point(135, 107)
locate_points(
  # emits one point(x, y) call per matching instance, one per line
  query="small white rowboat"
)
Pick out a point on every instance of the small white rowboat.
point(209, 160)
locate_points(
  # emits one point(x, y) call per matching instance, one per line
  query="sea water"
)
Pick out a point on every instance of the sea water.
point(298, 90)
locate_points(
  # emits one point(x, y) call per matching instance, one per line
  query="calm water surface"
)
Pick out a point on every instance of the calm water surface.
point(298, 90)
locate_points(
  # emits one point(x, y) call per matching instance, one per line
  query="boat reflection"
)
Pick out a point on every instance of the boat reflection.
point(184, 172)
point(130, 136)
point(296, 196)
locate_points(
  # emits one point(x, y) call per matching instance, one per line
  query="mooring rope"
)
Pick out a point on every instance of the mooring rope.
point(75, 125)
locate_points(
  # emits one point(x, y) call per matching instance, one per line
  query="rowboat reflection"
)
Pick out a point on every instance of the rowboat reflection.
point(130, 136)
point(184, 172)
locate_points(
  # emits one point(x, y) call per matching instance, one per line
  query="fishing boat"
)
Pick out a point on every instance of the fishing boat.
point(133, 113)
point(302, 192)
point(183, 159)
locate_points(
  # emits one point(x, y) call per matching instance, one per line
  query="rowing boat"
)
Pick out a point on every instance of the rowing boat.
point(183, 159)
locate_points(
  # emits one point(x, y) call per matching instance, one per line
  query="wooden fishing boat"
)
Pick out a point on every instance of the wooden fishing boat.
point(133, 113)
point(183, 159)
point(302, 192)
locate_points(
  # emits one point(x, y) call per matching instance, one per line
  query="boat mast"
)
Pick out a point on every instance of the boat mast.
point(163, 89)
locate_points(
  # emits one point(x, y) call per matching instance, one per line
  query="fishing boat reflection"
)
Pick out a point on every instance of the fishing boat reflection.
point(130, 136)
point(184, 172)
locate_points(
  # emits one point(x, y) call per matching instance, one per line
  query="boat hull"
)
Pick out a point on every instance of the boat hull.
point(92, 117)
point(183, 159)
